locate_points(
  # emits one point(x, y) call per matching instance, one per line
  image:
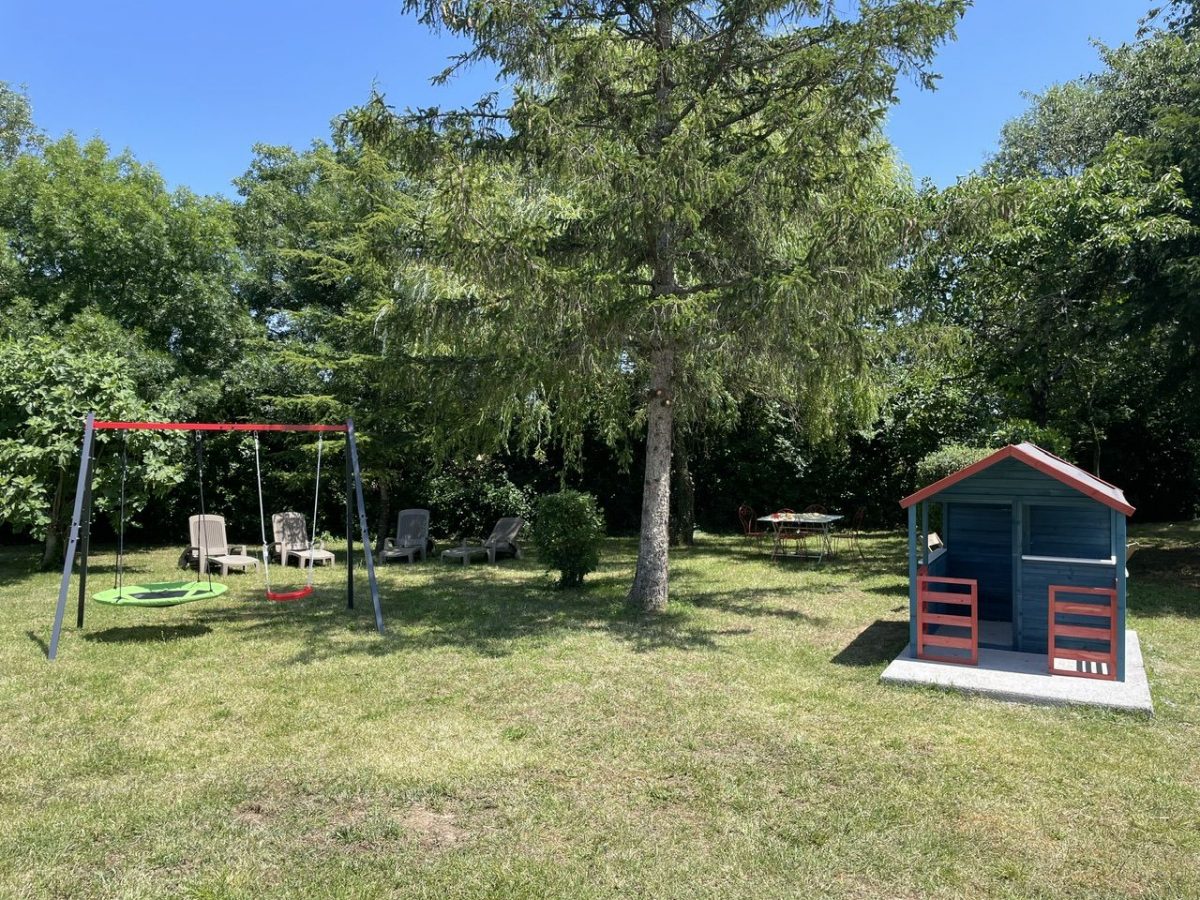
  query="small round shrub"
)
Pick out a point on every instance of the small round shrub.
point(948, 460)
point(568, 528)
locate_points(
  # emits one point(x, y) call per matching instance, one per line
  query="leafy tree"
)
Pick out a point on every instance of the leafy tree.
point(1071, 265)
point(118, 296)
point(1149, 90)
point(47, 385)
point(317, 230)
point(1047, 280)
point(684, 204)
point(17, 131)
point(90, 231)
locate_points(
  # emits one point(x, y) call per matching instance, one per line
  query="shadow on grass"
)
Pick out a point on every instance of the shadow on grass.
point(40, 641)
point(468, 609)
point(18, 564)
point(1165, 582)
point(753, 602)
point(899, 589)
point(879, 642)
point(495, 611)
point(880, 556)
point(147, 634)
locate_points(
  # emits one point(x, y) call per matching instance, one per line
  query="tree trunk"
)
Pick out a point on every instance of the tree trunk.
point(683, 496)
point(54, 529)
point(382, 530)
point(650, 583)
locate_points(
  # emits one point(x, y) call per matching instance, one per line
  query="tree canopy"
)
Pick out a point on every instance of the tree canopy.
point(684, 205)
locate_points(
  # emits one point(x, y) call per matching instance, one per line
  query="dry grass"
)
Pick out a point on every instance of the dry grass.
point(508, 739)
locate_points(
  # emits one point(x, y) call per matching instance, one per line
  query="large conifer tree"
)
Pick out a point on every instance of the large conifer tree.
point(689, 197)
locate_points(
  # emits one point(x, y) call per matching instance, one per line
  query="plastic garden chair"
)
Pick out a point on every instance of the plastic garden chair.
point(210, 546)
point(291, 541)
point(503, 539)
point(412, 536)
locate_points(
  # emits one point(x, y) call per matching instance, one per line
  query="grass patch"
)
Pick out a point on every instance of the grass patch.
point(505, 738)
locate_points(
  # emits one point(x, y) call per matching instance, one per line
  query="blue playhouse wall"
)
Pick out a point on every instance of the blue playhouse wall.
point(1017, 531)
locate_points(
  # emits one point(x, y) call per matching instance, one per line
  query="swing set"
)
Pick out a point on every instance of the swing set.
point(160, 594)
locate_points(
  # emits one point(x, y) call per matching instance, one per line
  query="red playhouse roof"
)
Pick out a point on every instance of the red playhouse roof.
point(1046, 463)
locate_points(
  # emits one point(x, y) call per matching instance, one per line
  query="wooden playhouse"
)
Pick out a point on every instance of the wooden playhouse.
point(1020, 552)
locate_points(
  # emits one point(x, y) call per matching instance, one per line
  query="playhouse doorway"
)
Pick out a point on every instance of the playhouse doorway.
point(981, 547)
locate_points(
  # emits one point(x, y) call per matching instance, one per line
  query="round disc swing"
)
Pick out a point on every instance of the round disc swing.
point(156, 593)
point(284, 596)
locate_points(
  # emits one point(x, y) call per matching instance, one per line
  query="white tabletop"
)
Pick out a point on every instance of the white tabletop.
point(805, 518)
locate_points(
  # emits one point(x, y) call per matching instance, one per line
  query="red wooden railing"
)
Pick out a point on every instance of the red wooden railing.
point(1093, 662)
point(968, 618)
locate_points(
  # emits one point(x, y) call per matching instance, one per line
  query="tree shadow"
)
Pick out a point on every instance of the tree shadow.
point(148, 634)
point(19, 564)
point(876, 559)
point(495, 611)
point(1165, 582)
point(888, 590)
point(751, 602)
point(467, 610)
point(879, 642)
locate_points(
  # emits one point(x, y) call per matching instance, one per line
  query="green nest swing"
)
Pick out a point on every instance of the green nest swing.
point(155, 593)
point(161, 593)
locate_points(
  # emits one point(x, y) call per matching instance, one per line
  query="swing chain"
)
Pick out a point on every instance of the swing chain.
point(119, 574)
point(262, 518)
point(312, 538)
point(203, 561)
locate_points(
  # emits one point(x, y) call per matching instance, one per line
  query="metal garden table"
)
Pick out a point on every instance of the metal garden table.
point(815, 523)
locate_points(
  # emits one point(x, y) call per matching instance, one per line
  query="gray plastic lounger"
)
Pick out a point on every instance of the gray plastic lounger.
point(211, 547)
point(291, 541)
point(503, 539)
point(412, 536)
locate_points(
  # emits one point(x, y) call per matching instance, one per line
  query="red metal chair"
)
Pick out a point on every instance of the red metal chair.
point(812, 529)
point(750, 523)
point(850, 537)
point(787, 531)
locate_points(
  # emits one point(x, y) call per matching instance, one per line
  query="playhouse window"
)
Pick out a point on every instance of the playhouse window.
point(1068, 531)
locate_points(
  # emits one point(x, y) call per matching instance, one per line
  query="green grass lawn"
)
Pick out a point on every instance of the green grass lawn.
point(508, 739)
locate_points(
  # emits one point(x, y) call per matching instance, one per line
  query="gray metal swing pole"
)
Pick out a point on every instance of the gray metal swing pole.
point(349, 529)
point(85, 538)
point(73, 541)
point(362, 525)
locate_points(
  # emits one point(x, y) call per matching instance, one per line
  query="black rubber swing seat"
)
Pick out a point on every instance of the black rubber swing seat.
point(160, 593)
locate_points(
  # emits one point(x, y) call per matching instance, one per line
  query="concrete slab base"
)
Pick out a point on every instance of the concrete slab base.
point(1022, 677)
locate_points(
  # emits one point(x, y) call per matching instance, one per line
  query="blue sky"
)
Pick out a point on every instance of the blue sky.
point(191, 87)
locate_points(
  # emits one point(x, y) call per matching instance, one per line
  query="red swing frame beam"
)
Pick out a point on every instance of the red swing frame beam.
point(80, 534)
point(212, 426)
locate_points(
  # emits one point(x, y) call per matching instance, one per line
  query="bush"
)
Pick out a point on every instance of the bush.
point(949, 459)
point(568, 528)
point(465, 500)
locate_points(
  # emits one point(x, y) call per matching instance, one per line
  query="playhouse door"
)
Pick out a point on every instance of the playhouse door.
point(979, 538)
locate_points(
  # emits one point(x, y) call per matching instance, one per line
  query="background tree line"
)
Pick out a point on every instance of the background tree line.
point(483, 292)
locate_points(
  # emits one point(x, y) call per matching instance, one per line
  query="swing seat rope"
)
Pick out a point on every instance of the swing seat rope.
point(307, 590)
